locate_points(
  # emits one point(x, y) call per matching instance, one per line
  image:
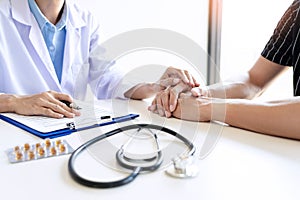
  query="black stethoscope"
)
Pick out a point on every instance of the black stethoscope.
point(136, 165)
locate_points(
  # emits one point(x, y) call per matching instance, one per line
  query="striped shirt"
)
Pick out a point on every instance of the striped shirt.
point(284, 45)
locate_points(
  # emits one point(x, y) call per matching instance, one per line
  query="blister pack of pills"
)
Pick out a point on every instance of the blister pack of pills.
point(45, 149)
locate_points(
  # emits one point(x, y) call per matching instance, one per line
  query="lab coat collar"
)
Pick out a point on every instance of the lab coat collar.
point(72, 42)
point(21, 13)
point(75, 20)
point(25, 21)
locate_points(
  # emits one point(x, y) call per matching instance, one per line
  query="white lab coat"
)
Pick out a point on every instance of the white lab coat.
point(26, 66)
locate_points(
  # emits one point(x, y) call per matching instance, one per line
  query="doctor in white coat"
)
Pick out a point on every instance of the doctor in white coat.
point(45, 57)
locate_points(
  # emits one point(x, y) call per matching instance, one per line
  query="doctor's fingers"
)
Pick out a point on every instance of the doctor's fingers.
point(57, 97)
point(174, 93)
point(59, 100)
point(160, 104)
point(168, 82)
point(50, 109)
point(45, 104)
point(31, 105)
point(192, 81)
point(200, 92)
point(184, 75)
point(165, 102)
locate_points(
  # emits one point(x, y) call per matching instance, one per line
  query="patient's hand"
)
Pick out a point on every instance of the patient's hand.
point(192, 108)
point(165, 101)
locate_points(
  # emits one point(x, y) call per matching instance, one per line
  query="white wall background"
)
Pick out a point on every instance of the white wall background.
point(185, 17)
point(117, 16)
point(247, 26)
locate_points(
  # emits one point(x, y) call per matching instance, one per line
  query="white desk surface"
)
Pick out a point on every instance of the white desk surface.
point(241, 165)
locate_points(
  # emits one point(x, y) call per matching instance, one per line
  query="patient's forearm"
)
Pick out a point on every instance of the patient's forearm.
point(278, 119)
point(238, 87)
point(250, 84)
point(229, 90)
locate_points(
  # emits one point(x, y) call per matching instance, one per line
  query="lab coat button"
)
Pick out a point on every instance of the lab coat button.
point(51, 48)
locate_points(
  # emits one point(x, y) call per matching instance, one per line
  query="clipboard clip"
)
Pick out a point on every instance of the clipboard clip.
point(71, 125)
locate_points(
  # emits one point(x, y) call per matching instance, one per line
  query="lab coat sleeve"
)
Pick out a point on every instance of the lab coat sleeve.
point(104, 78)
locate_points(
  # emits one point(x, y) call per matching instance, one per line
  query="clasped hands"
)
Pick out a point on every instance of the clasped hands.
point(178, 93)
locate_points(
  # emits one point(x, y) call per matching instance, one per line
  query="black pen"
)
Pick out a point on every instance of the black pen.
point(70, 104)
point(105, 117)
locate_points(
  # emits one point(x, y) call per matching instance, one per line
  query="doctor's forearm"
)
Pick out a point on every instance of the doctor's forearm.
point(278, 119)
point(142, 91)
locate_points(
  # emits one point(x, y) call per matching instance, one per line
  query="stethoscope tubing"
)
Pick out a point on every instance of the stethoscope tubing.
point(135, 170)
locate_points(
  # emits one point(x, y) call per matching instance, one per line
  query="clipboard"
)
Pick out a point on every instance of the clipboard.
point(70, 127)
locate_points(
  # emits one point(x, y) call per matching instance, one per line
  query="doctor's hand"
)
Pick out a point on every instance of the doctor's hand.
point(200, 92)
point(47, 104)
point(183, 75)
point(171, 78)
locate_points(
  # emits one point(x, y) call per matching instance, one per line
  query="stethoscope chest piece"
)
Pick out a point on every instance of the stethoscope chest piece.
point(183, 167)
